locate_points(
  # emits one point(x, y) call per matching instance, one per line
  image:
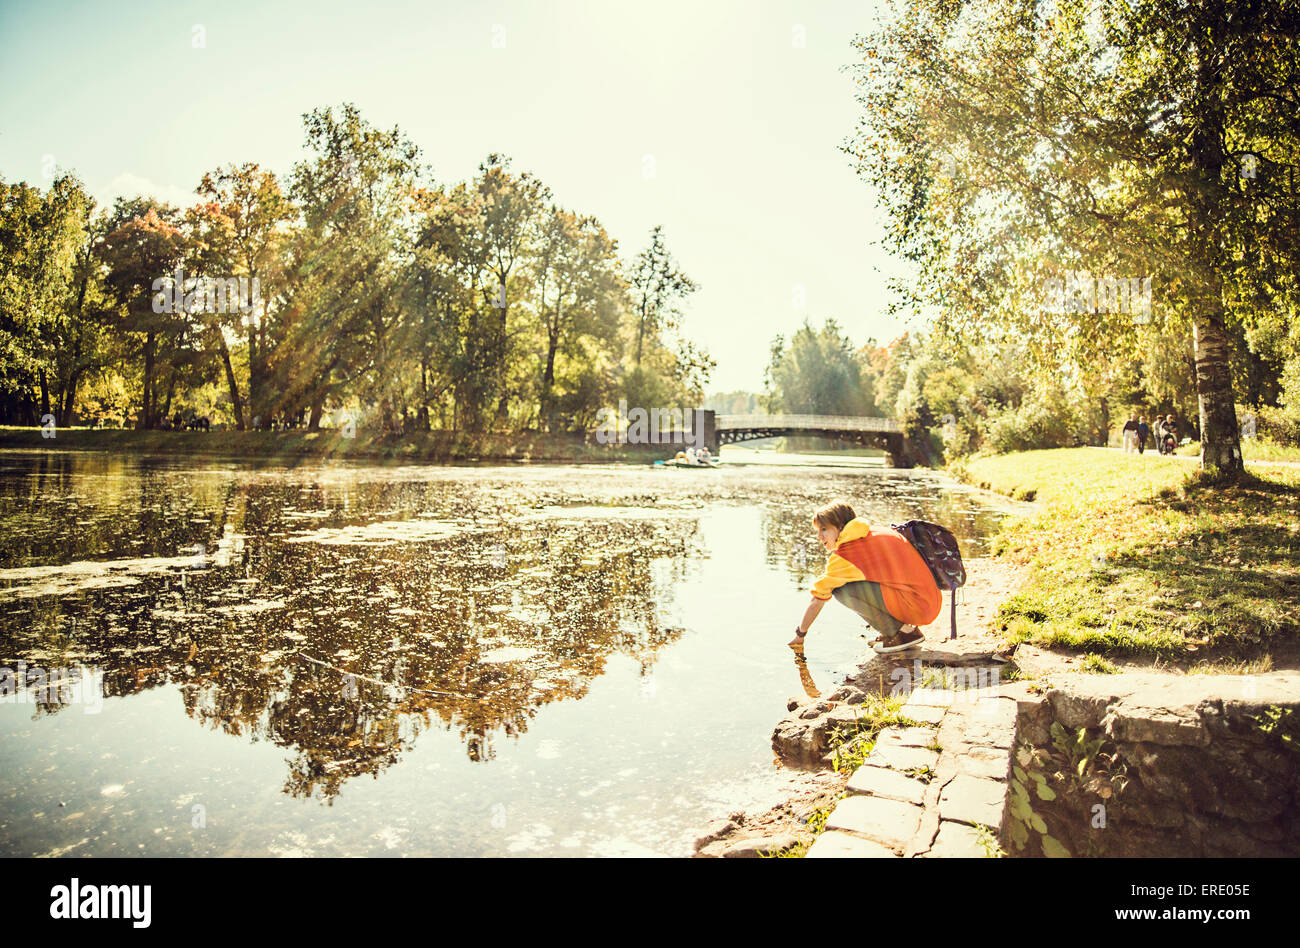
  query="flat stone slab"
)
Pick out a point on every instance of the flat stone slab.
point(930, 698)
point(763, 846)
point(883, 782)
point(956, 841)
point(991, 763)
point(889, 822)
point(835, 845)
point(1146, 707)
point(970, 799)
point(897, 757)
point(923, 714)
point(907, 736)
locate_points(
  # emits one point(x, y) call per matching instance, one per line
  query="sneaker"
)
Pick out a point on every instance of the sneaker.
point(904, 640)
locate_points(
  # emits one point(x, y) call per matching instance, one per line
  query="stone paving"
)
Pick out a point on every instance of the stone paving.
point(923, 790)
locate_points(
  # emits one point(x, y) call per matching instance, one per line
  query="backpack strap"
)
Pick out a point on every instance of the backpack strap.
point(952, 593)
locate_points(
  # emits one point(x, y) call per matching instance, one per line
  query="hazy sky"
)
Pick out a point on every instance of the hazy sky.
point(741, 125)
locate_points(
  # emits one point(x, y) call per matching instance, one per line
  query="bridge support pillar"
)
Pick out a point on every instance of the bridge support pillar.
point(705, 425)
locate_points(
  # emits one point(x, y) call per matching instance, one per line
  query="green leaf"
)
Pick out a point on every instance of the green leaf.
point(1054, 850)
point(1020, 835)
point(1020, 774)
point(1037, 822)
point(1045, 792)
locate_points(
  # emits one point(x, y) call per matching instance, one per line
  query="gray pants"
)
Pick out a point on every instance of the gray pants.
point(864, 598)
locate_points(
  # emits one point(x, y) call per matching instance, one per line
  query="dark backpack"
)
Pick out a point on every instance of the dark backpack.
point(938, 548)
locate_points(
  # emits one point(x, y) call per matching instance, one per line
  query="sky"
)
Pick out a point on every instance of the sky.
point(720, 120)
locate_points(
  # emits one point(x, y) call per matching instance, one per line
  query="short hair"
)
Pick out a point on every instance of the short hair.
point(835, 515)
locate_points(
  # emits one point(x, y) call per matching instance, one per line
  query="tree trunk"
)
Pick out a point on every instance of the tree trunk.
point(69, 399)
point(45, 396)
point(171, 390)
point(1220, 436)
point(232, 382)
point(317, 409)
point(145, 421)
point(548, 382)
point(424, 392)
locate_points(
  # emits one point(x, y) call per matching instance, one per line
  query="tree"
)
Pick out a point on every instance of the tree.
point(1017, 141)
point(657, 286)
point(817, 374)
point(244, 224)
point(513, 209)
point(145, 243)
point(577, 265)
point(344, 306)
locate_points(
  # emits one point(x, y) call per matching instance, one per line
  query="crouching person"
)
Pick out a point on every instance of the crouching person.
point(878, 574)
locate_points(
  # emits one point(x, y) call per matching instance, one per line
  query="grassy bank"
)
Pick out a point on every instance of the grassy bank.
point(1137, 556)
point(1252, 450)
point(301, 445)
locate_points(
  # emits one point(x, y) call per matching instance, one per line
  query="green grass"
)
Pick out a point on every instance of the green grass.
point(1098, 665)
point(1128, 557)
point(1252, 450)
point(850, 746)
point(817, 824)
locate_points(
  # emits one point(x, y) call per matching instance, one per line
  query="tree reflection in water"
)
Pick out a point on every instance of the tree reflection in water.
point(507, 611)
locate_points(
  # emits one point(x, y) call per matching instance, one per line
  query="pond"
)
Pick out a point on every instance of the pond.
point(363, 660)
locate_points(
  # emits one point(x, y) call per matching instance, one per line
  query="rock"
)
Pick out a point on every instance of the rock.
point(973, 800)
point(908, 736)
point(836, 845)
point(738, 817)
point(902, 758)
point(924, 714)
point(762, 846)
point(816, 709)
point(883, 782)
point(956, 840)
point(793, 703)
point(888, 822)
point(851, 694)
point(712, 832)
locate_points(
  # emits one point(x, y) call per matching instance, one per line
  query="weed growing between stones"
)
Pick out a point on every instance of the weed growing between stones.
point(988, 841)
point(816, 825)
point(852, 744)
point(924, 774)
point(1098, 665)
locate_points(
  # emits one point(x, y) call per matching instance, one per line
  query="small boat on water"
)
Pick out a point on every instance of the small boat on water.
point(682, 460)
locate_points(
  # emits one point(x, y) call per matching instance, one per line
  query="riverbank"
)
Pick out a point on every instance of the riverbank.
point(791, 826)
point(300, 445)
point(1130, 566)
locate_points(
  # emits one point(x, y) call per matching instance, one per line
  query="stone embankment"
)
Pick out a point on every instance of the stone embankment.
point(1149, 764)
point(929, 787)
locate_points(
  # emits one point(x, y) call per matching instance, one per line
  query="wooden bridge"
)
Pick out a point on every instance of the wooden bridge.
point(884, 433)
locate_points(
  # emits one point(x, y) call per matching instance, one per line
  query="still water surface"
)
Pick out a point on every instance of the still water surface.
point(369, 660)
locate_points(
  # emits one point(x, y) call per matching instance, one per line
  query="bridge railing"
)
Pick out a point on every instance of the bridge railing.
point(810, 422)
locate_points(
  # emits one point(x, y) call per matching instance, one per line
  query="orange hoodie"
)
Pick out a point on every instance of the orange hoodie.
point(883, 555)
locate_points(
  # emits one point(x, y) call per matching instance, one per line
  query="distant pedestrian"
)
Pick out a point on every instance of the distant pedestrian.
point(1144, 432)
point(1130, 434)
point(1169, 440)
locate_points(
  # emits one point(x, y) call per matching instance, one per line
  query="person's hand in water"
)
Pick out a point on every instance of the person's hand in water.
point(796, 643)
